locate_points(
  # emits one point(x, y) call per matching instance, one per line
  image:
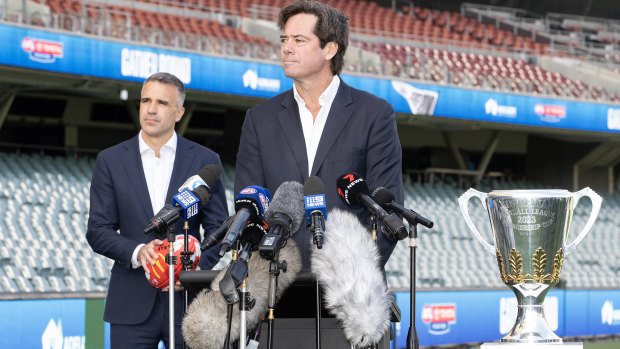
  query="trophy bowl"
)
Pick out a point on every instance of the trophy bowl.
point(530, 228)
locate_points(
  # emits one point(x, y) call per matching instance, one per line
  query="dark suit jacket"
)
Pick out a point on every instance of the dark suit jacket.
point(359, 135)
point(119, 200)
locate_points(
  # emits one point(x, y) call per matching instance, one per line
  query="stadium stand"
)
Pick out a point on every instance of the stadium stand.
point(45, 200)
point(468, 49)
point(46, 203)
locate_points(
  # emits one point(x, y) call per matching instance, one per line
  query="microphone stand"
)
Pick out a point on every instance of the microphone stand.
point(229, 308)
point(413, 219)
point(185, 260)
point(413, 341)
point(374, 226)
point(274, 270)
point(243, 310)
point(171, 260)
point(318, 315)
point(318, 246)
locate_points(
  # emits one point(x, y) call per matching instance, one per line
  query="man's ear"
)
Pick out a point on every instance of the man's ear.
point(330, 50)
point(180, 112)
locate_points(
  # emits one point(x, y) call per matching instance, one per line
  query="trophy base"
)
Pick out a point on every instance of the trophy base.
point(570, 345)
point(531, 327)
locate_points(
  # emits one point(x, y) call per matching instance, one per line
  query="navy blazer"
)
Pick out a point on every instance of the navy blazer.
point(119, 201)
point(359, 135)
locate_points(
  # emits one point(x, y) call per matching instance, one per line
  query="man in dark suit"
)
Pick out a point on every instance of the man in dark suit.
point(131, 182)
point(322, 127)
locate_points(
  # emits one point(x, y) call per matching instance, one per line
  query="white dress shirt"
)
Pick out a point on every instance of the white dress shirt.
point(313, 129)
point(157, 172)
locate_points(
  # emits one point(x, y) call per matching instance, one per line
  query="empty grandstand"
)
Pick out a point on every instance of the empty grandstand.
point(46, 200)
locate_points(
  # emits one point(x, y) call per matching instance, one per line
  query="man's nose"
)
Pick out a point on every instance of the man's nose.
point(152, 109)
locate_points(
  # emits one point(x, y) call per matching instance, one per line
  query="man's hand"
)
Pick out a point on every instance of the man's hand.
point(147, 254)
point(177, 287)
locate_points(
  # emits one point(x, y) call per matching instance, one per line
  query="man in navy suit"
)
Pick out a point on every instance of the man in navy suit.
point(322, 126)
point(131, 182)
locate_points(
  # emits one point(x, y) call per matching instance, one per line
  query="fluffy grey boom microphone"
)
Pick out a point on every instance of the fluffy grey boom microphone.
point(348, 269)
point(204, 326)
point(289, 200)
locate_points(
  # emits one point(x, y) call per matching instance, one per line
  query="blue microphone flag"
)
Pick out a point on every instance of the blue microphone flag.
point(314, 203)
point(188, 202)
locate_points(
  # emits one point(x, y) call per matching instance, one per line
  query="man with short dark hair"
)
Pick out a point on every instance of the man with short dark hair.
point(322, 126)
point(131, 182)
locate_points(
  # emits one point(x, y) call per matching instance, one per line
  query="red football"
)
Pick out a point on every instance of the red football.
point(159, 271)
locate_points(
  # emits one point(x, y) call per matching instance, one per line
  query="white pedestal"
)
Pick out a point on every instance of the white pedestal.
point(495, 345)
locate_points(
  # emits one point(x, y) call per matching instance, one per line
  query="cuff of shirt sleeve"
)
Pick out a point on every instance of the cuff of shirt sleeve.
point(135, 263)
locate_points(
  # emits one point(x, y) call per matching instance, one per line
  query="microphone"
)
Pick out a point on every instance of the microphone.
point(216, 236)
point(204, 325)
point(314, 202)
point(250, 204)
point(353, 189)
point(348, 269)
point(207, 174)
point(385, 198)
point(284, 216)
point(238, 270)
point(187, 203)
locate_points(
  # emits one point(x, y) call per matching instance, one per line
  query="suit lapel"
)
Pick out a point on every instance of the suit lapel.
point(338, 116)
point(291, 128)
point(135, 173)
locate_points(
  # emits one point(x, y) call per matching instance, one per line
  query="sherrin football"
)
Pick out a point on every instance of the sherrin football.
point(159, 271)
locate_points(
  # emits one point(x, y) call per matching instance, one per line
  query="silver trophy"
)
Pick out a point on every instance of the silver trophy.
point(530, 229)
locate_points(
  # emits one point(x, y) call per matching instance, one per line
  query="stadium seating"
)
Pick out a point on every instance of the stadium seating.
point(45, 200)
point(45, 203)
point(420, 44)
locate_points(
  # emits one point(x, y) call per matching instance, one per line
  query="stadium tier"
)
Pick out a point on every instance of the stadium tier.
point(485, 48)
point(46, 199)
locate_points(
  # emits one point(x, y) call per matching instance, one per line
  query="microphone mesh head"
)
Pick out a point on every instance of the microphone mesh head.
point(203, 194)
point(210, 174)
point(288, 199)
point(314, 186)
point(382, 196)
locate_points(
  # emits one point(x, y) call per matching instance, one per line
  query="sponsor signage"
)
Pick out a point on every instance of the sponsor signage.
point(37, 49)
point(442, 318)
point(453, 317)
point(439, 317)
point(47, 324)
point(42, 51)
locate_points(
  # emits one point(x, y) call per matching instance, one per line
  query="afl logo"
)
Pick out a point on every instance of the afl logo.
point(248, 191)
point(264, 202)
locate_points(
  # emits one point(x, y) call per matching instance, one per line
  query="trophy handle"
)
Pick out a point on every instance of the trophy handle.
point(463, 203)
point(596, 206)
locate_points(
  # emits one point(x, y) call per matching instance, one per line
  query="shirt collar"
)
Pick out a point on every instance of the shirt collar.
point(171, 144)
point(326, 97)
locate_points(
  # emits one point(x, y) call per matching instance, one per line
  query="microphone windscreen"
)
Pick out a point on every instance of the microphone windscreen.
point(254, 232)
point(204, 325)
point(382, 196)
point(314, 198)
point(348, 269)
point(350, 186)
point(210, 174)
point(313, 186)
point(203, 194)
point(288, 199)
point(255, 199)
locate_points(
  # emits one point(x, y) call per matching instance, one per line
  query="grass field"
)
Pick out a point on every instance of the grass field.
point(602, 345)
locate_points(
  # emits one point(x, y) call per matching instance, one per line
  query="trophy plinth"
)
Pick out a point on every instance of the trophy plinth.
point(530, 228)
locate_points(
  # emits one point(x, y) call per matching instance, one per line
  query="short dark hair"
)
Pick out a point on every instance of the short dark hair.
point(167, 78)
point(331, 25)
